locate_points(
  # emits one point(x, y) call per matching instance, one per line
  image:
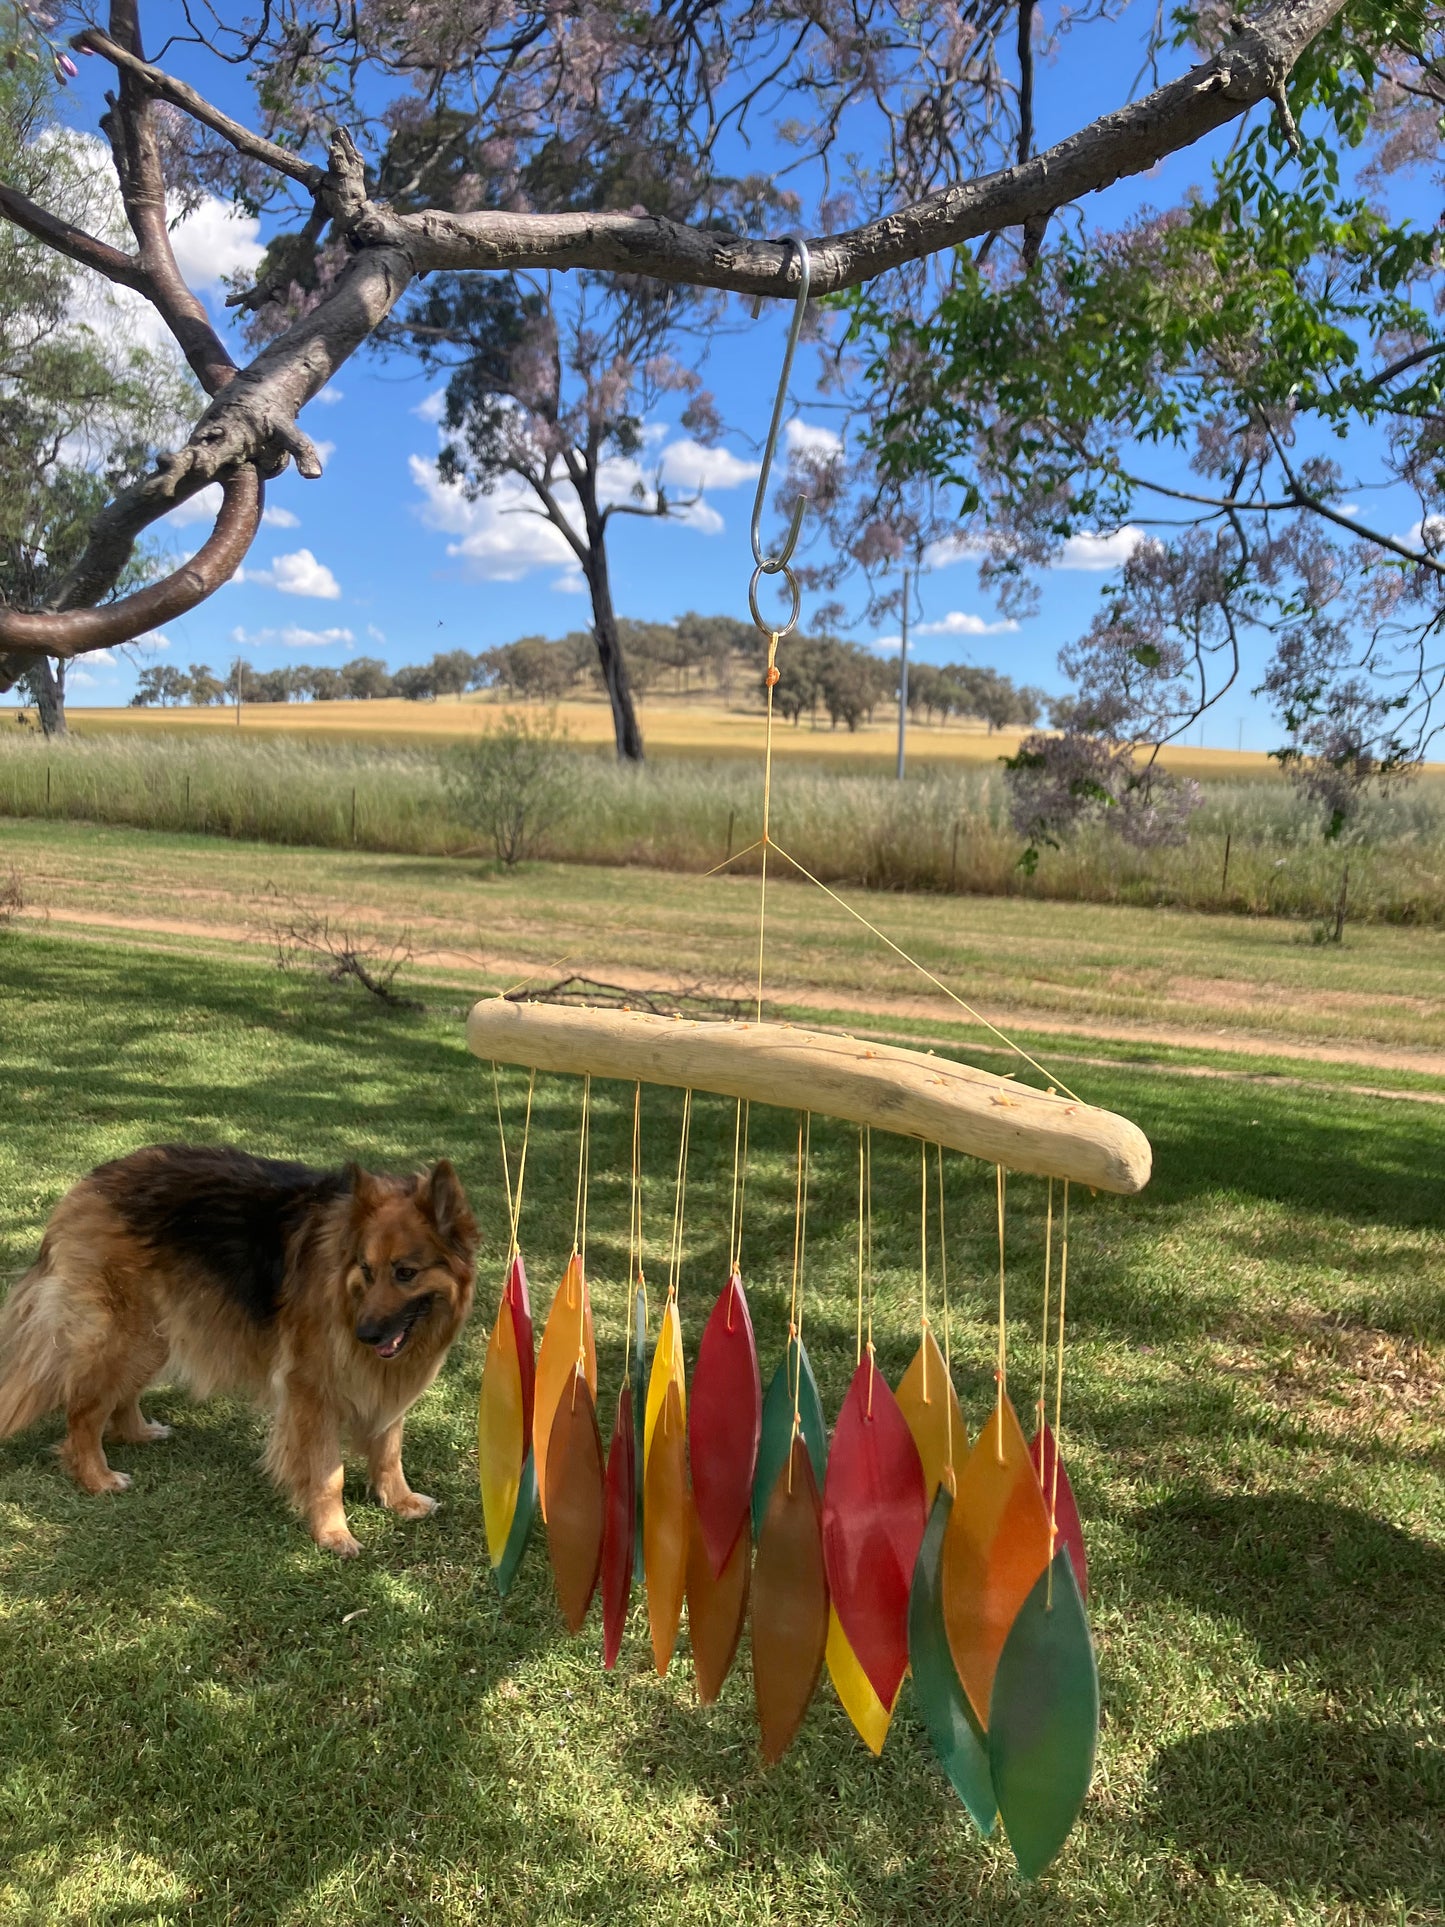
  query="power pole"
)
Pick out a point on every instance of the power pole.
point(903, 681)
point(237, 673)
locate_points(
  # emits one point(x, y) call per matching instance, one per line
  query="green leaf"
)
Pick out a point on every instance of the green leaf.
point(1043, 1720)
point(953, 1728)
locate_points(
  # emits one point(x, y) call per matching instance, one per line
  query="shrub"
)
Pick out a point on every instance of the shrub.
point(515, 784)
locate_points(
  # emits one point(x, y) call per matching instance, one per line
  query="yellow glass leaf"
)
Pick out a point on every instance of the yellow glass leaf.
point(568, 1332)
point(666, 1529)
point(996, 1545)
point(930, 1405)
point(667, 1369)
point(862, 1705)
point(501, 1447)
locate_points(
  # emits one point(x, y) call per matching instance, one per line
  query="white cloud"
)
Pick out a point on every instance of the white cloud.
point(499, 538)
point(324, 451)
point(570, 584)
point(430, 408)
point(807, 438)
point(1428, 534)
point(296, 574)
point(692, 465)
point(155, 640)
point(291, 637)
point(329, 396)
point(80, 679)
point(375, 634)
point(955, 623)
point(279, 518)
point(1096, 550)
point(216, 241)
point(101, 656)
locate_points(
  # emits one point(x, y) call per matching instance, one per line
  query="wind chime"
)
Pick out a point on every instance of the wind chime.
point(897, 1547)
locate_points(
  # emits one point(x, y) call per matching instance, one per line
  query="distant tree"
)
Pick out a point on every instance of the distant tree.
point(202, 688)
point(323, 684)
point(850, 681)
point(532, 669)
point(415, 682)
point(452, 672)
point(367, 679)
point(161, 684)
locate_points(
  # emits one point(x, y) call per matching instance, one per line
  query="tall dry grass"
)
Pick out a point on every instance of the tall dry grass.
point(939, 831)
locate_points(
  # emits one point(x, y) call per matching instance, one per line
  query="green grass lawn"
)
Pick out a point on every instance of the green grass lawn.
point(204, 1719)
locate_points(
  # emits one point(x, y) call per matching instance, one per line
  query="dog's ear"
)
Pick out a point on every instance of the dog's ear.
point(441, 1197)
point(366, 1190)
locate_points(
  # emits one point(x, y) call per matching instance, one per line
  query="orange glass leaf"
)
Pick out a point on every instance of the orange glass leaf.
point(501, 1437)
point(717, 1604)
point(790, 1605)
point(931, 1411)
point(574, 1523)
point(667, 1371)
point(873, 1521)
point(724, 1422)
point(568, 1332)
point(514, 1297)
point(619, 1527)
point(862, 1705)
point(996, 1546)
point(665, 1527)
point(1060, 1500)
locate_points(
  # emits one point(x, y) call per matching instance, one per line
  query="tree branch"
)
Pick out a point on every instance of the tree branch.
point(156, 81)
point(74, 631)
point(113, 263)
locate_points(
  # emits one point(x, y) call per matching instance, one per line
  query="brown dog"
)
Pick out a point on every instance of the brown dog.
point(330, 1296)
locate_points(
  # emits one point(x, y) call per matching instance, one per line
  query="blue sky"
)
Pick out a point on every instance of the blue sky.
point(377, 558)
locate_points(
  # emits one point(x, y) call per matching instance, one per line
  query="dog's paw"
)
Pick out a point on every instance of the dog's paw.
point(153, 1434)
point(338, 1540)
point(416, 1505)
point(109, 1481)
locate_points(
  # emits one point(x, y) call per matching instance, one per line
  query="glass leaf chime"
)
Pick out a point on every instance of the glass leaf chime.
point(900, 1546)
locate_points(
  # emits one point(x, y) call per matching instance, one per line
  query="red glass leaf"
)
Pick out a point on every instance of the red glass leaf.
point(724, 1423)
point(618, 1527)
point(717, 1604)
point(574, 1515)
point(1067, 1523)
point(665, 1532)
point(515, 1298)
point(790, 1605)
point(874, 1514)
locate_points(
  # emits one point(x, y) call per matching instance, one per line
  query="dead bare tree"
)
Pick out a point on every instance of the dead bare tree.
point(308, 939)
point(249, 430)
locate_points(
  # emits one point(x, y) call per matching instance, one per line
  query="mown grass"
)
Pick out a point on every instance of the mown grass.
point(1070, 964)
point(943, 831)
point(206, 1720)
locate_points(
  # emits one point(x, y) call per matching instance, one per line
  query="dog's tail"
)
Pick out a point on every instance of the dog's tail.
point(32, 1357)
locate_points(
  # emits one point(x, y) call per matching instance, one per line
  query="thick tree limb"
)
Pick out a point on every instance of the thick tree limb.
point(76, 631)
point(1250, 68)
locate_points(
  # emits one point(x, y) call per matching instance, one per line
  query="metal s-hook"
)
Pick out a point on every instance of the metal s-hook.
point(778, 564)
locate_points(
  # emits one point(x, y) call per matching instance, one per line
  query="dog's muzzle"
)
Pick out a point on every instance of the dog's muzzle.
point(387, 1337)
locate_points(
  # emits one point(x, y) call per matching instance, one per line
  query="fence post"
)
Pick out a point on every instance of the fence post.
point(353, 815)
point(188, 799)
point(953, 863)
point(47, 789)
point(1340, 906)
point(732, 818)
point(1224, 880)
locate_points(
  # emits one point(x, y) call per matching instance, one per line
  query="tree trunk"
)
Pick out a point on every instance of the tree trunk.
point(46, 683)
point(609, 644)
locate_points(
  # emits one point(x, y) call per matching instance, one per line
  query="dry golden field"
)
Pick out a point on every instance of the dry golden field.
point(670, 728)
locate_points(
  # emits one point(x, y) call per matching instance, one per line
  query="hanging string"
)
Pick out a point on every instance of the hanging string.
point(674, 1262)
point(634, 1231)
point(579, 1218)
point(1050, 1077)
point(514, 1199)
point(1001, 1372)
point(858, 1348)
point(1058, 1401)
point(795, 1306)
point(771, 680)
point(923, 1259)
point(1048, 1273)
point(947, 1331)
point(740, 1181)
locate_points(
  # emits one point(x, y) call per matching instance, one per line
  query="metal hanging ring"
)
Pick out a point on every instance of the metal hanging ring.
point(778, 629)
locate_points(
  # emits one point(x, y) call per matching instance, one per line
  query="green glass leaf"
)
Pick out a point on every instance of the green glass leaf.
point(521, 1527)
point(1043, 1720)
point(776, 1440)
point(956, 1736)
point(639, 1415)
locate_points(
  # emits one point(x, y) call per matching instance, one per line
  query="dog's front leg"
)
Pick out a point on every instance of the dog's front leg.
point(304, 1458)
point(388, 1481)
